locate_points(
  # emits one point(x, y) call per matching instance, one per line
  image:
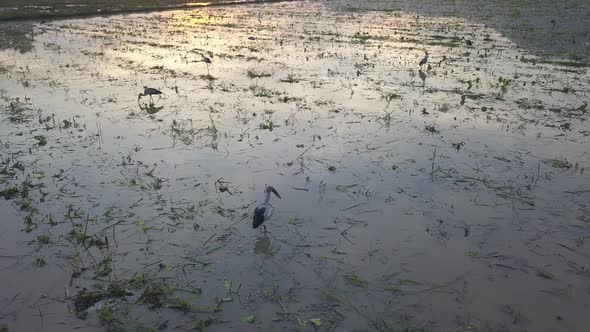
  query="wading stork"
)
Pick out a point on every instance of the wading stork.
point(263, 211)
point(207, 61)
point(150, 92)
point(424, 59)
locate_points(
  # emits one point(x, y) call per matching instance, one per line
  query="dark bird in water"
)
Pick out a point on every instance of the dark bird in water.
point(263, 211)
point(207, 61)
point(424, 59)
point(150, 92)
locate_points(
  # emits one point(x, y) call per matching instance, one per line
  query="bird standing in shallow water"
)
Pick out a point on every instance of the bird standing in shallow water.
point(424, 59)
point(207, 61)
point(262, 212)
point(150, 92)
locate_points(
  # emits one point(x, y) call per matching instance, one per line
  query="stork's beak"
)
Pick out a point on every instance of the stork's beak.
point(275, 192)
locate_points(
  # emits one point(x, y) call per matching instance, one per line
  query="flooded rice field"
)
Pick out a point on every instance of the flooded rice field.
point(452, 196)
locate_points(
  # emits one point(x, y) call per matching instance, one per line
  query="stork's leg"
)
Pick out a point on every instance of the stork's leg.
point(265, 231)
point(269, 213)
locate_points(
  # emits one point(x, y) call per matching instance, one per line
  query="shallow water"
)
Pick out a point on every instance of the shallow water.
point(448, 199)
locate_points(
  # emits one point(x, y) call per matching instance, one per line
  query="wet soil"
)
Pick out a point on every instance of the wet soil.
point(48, 9)
point(452, 197)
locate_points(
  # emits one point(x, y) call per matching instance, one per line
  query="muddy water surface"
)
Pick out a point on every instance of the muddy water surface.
point(451, 198)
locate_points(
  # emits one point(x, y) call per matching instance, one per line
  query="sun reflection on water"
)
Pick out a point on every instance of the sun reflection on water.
point(198, 4)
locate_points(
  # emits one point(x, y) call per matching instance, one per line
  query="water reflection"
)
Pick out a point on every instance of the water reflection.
point(150, 108)
point(198, 4)
point(263, 246)
point(422, 76)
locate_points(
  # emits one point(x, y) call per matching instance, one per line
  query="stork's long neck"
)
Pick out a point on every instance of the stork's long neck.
point(267, 198)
